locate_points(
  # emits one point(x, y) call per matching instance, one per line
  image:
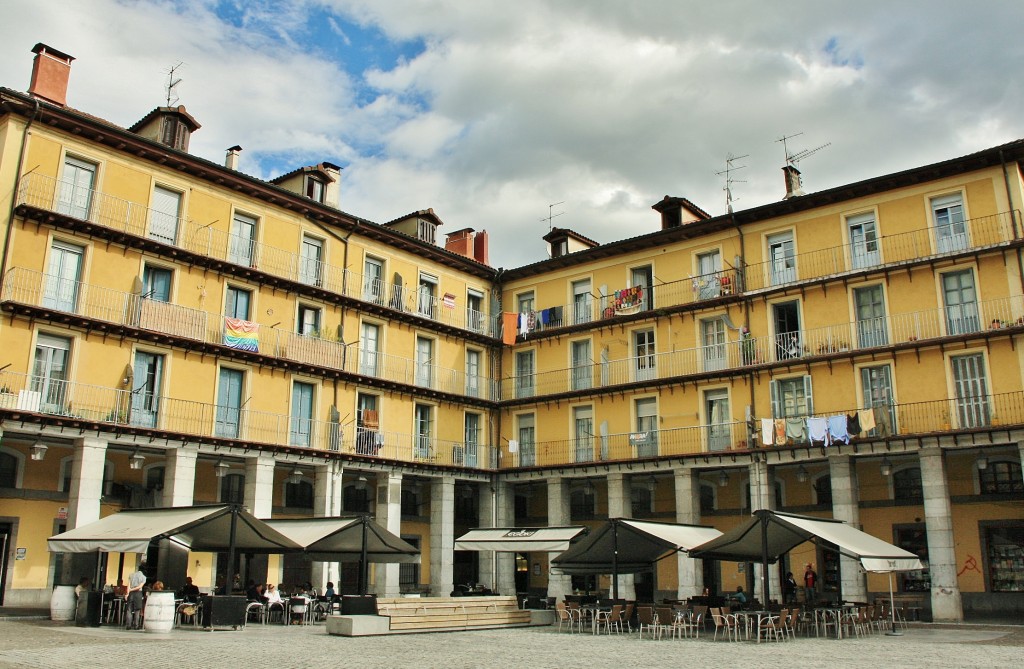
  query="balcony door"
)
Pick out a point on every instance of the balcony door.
point(713, 344)
point(229, 403)
point(961, 300)
point(76, 188)
point(870, 305)
point(643, 277)
point(369, 345)
point(716, 408)
point(373, 281)
point(644, 360)
point(242, 244)
point(583, 429)
point(971, 385)
point(581, 365)
point(950, 228)
point(62, 282)
point(164, 215)
point(788, 341)
point(301, 433)
point(863, 241)
point(782, 258)
point(50, 372)
point(147, 373)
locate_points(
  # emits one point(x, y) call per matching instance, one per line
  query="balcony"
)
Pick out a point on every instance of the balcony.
point(186, 419)
point(61, 296)
point(938, 417)
point(46, 193)
point(915, 328)
point(903, 248)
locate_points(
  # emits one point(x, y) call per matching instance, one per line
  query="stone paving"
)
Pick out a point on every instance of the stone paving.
point(45, 644)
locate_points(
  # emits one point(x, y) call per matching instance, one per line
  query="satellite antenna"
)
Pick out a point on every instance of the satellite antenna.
point(172, 96)
point(729, 181)
point(551, 215)
point(794, 158)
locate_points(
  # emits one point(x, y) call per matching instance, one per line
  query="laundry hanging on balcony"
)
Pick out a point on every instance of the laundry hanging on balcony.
point(628, 300)
point(243, 335)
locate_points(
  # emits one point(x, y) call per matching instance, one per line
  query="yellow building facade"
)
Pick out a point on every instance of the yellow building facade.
point(180, 333)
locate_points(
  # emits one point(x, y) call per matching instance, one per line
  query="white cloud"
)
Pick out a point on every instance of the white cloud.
point(512, 106)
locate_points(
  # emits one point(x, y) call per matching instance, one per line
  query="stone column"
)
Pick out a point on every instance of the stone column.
point(485, 560)
point(620, 506)
point(845, 498)
point(504, 516)
point(442, 535)
point(946, 603)
point(259, 485)
point(558, 515)
point(687, 495)
point(326, 503)
point(180, 476)
point(388, 507)
point(86, 481)
point(762, 496)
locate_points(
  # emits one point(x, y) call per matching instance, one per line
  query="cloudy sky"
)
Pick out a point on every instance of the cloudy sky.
point(489, 111)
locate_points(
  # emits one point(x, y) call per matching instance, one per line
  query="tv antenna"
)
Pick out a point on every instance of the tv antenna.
point(172, 96)
point(552, 215)
point(794, 158)
point(729, 181)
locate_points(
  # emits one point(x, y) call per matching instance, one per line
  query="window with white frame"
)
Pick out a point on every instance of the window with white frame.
point(373, 280)
point(311, 261)
point(524, 302)
point(308, 321)
point(50, 370)
point(316, 189)
point(646, 435)
point(242, 243)
point(369, 348)
point(781, 258)
point(524, 379)
point(961, 302)
point(472, 439)
point(708, 283)
point(77, 181)
point(526, 433)
point(582, 365)
point(237, 302)
point(716, 411)
point(791, 397)
point(950, 227)
point(428, 295)
point(582, 302)
point(644, 360)
point(869, 301)
point(301, 432)
point(713, 340)
point(473, 358)
point(475, 316)
point(971, 387)
point(583, 432)
point(424, 424)
point(876, 389)
point(424, 362)
point(164, 215)
point(863, 240)
point(64, 276)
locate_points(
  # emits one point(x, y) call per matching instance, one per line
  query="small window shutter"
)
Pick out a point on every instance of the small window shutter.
point(809, 395)
point(776, 404)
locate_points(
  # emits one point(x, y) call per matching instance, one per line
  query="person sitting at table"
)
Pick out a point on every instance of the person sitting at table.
point(190, 591)
point(739, 596)
point(329, 592)
point(272, 594)
point(84, 585)
point(251, 592)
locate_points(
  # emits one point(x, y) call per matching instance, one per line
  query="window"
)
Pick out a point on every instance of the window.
point(232, 489)
point(411, 501)
point(8, 470)
point(473, 357)
point(229, 403)
point(524, 302)
point(646, 436)
point(716, 410)
point(791, 397)
point(308, 321)
point(1001, 477)
point(373, 280)
point(644, 360)
point(316, 189)
point(1004, 544)
point(424, 418)
point(147, 373)
point(713, 341)
point(155, 477)
point(782, 258)
point(357, 497)
point(156, 283)
point(311, 262)
point(583, 432)
point(788, 339)
point(424, 362)
point(237, 303)
point(643, 277)
point(582, 309)
point(906, 485)
point(641, 499)
point(242, 242)
point(428, 295)
point(164, 215)
point(409, 574)
point(709, 270)
point(581, 365)
point(298, 495)
point(62, 282)
point(301, 432)
point(175, 133)
point(863, 241)
point(876, 386)
point(369, 347)
point(76, 188)
point(475, 317)
point(971, 388)
point(582, 502)
point(50, 372)
point(914, 538)
point(426, 231)
point(707, 498)
point(472, 443)
point(961, 302)
point(950, 229)
point(823, 491)
point(527, 440)
point(870, 305)
point(524, 379)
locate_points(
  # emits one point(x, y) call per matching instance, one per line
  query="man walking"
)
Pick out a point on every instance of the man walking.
point(136, 581)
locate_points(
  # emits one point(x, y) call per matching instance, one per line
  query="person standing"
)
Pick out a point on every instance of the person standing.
point(810, 583)
point(136, 581)
point(789, 588)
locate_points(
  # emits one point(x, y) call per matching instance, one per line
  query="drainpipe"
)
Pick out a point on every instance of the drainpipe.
point(344, 267)
point(14, 195)
point(1013, 217)
point(746, 323)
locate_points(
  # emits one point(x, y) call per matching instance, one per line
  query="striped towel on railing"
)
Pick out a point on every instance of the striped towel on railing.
point(243, 335)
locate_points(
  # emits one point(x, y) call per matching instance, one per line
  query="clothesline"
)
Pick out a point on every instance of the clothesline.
point(826, 430)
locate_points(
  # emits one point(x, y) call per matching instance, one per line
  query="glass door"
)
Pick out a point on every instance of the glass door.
point(50, 372)
point(147, 377)
point(229, 404)
point(61, 292)
point(76, 187)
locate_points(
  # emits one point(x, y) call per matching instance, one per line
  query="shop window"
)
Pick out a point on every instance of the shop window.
point(823, 491)
point(914, 538)
point(1005, 553)
point(1002, 477)
point(298, 495)
point(906, 485)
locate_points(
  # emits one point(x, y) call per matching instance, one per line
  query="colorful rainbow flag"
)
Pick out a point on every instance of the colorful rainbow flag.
point(243, 335)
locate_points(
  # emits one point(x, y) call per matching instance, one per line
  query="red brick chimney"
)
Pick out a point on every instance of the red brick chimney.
point(468, 243)
point(480, 248)
point(50, 72)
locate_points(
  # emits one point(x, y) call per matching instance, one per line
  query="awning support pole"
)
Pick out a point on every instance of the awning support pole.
point(229, 574)
point(363, 566)
point(764, 555)
point(615, 559)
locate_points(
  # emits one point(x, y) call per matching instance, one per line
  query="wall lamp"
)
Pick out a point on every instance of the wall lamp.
point(136, 461)
point(38, 450)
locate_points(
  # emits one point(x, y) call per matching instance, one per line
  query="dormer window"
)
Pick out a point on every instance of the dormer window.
point(426, 231)
point(316, 189)
point(175, 134)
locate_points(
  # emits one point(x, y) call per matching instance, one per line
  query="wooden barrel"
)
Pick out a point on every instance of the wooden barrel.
point(159, 615)
point(63, 603)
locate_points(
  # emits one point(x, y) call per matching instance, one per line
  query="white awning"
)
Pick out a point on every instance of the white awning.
point(341, 540)
point(782, 532)
point(518, 539)
point(199, 528)
point(627, 546)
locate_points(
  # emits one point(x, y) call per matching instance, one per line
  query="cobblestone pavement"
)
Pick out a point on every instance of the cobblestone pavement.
point(45, 644)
